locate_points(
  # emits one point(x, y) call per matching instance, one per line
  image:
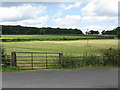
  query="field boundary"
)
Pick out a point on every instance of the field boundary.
point(18, 38)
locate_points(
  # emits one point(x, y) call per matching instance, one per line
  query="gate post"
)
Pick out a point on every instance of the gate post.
point(60, 58)
point(32, 60)
point(13, 59)
point(46, 61)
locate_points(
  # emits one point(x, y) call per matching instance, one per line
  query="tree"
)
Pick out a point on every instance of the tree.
point(93, 32)
point(111, 32)
point(118, 35)
point(97, 32)
point(103, 32)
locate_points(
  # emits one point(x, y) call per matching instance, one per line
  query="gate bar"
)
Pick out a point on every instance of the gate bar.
point(38, 52)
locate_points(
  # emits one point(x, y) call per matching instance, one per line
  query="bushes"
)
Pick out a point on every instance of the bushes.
point(109, 57)
point(91, 61)
point(10, 69)
point(69, 62)
point(118, 35)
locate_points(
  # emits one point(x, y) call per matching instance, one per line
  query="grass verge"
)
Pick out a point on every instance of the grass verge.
point(17, 69)
point(10, 69)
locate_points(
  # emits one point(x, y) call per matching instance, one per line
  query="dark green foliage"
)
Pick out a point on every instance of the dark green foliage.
point(92, 32)
point(20, 30)
point(91, 61)
point(69, 63)
point(109, 57)
point(118, 35)
point(85, 61)
point(103, 32)
point(108, 32)
point(111, 32)
point(10, 69)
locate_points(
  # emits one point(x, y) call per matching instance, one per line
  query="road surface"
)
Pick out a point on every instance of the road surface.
point(92, 78)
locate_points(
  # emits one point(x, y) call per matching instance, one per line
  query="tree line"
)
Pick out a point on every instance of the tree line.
point(22, 30)
point(105, 32)
point(111, 32)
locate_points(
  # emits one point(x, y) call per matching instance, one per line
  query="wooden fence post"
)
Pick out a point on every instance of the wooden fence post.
point(32, 60)
point(60, 58)
point(46, 61)
point(13, 59)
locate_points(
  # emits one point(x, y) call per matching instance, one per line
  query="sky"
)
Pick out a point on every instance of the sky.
point(83, 14)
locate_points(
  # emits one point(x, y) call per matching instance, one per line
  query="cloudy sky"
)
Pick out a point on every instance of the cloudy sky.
point(82, 14)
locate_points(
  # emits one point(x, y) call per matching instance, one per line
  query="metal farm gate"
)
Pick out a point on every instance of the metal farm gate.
point(36, 60)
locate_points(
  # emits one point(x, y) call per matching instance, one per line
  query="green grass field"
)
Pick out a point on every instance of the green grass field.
point(76, 47)
point(42, 36)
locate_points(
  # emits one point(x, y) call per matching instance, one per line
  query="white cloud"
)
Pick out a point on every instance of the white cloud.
point(20, 12)
point(37, 0)
point(68, 20)
point(29, 22)
point(101, 8)
point(70, 6)
point(40, 20)
point(99, 19)
point(100, 11)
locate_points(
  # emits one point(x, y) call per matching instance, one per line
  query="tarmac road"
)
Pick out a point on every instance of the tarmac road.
point(92, 78)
